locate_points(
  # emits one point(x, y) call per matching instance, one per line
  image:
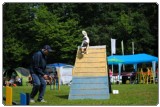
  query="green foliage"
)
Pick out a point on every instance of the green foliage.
point(14, 48)
point(62, 36)
point(29, 26)
point(15, 27)
point(125, 23)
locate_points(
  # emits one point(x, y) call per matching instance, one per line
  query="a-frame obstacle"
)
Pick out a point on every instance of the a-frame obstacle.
point(90, 75)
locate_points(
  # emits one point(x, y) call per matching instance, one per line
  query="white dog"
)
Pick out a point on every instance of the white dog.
point(85, 43)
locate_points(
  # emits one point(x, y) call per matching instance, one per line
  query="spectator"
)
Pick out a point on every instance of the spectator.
point(18, 81)
point(30, 80)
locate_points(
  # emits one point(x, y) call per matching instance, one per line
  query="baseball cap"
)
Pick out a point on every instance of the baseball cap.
point(47, 47)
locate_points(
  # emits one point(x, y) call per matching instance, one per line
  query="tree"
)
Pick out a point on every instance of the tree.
point(16, 22)
point(29, 26)
point(62, 36)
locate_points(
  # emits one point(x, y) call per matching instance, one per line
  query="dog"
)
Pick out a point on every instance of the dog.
point(85, 43)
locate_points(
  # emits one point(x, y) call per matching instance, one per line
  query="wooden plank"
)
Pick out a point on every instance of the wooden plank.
point(90, 65)
point(91, 60)
point(91, 70)
point(92, 49)
point(90, 55)
point(59, 76)
point(89, 74)
point(95, 50)
point(96, 47)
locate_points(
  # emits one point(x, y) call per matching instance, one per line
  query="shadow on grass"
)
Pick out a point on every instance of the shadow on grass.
point(63, 96)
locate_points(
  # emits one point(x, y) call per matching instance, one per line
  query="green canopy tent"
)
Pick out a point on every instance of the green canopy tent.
point(21, 72)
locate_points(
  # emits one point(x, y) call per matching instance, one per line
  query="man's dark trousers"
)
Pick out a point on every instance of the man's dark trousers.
point(39, 84)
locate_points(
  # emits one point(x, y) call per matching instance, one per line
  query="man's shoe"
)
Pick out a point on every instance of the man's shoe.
point(32, 100)
point(43, 101)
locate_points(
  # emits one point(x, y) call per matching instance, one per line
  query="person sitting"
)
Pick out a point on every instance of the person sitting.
point(133, 76)
point(29, 80)
point(18, 81)
point(10, 82)
point(6, 83)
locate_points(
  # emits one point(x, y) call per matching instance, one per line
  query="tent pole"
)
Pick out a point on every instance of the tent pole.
point(112, 65)
point(123, 53)
point(154, 70)
point(112, 72)
point(119, 69)
point(134, 65)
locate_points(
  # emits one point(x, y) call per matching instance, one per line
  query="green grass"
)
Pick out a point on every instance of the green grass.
point(129, 94)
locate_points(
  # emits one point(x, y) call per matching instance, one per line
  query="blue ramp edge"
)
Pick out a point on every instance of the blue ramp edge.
point(89, 88)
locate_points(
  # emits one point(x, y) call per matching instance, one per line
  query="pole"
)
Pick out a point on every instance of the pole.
point(134, 65)
point(122, 52)
point(8, 96)
point(133, 48)
point(122, 47)
point(112, 50)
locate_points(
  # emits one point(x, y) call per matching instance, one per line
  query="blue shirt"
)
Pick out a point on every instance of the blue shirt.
point(38, 64)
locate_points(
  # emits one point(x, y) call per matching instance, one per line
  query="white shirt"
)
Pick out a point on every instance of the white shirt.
point(11, 81)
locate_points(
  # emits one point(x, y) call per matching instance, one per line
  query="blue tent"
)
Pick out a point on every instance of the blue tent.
point(132, 59)
point(57, 65)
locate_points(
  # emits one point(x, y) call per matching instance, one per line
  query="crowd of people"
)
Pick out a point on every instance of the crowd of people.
point(12, 81)
point(15, 80)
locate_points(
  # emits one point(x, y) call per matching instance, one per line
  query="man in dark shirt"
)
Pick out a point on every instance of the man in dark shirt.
point(38, 73)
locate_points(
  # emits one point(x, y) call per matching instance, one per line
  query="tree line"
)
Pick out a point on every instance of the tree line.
point(29, 26)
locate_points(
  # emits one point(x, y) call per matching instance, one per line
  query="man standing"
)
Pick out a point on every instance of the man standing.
point(38, 73)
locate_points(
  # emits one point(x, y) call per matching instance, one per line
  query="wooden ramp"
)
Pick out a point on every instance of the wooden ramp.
point(90, 75)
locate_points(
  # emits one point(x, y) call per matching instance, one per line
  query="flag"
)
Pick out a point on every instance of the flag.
point(133, 47)
point(113, 46)
point(122, 47)
point(122, 52)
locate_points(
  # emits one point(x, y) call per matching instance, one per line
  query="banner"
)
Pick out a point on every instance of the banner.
point(122, 47)
point(122, 52)
point(133, 48)
point(113, 46)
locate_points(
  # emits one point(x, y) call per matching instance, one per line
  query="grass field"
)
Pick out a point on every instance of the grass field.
point(129, 94)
